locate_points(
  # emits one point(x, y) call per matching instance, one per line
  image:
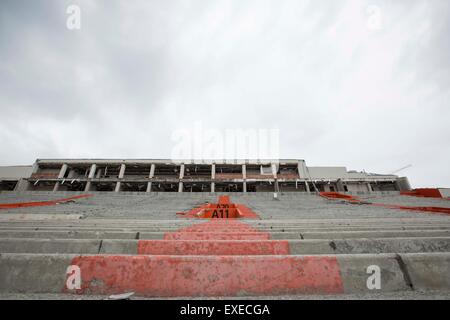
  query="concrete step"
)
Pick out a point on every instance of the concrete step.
point(75, 234)
point(211, 276)
point(120, 228)
point(225, 247)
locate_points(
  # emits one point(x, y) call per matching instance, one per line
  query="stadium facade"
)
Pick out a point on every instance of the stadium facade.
point(163, 175)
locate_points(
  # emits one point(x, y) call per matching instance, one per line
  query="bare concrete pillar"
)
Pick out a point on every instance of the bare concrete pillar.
point(91, 176)
point(22, 185)
point(213, 177)
point(121, 175)
point(182, 171)
point(150, 175)
point(369, 187)
point(340, 186)
point(92, 171)
point(122, 170)
point(180, 184)
point(244, 176)
point(274, 170)
point(61, 174)
point(307, 187)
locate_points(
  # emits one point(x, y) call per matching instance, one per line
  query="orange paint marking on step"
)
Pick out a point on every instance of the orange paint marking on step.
point(216, 247)
point(223, 209)
point(196, 276)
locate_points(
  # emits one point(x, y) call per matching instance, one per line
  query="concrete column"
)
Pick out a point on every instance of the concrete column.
point(274, 170)
point(121, 174)
point(152, 170)
point(61, 174)
point(213, 177)
point(276, 186)
point(340, 186)
point(182, 171)
point(92, 171)
point(244, 176)
point(180, 184)
point(150, 175)
point(307, 187)
point(91, 176)
point(22, 185)
point(122, 170)
point(369, 187)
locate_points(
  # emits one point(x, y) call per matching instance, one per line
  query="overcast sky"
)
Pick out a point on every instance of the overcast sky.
point(361, 84)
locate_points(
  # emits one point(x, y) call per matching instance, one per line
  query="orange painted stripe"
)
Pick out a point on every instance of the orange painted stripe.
point(423, 192)
point(41, 203)
point(425, 209)
point(177, 276)
point(217, 247)
point(340, 196)
point(216, 236)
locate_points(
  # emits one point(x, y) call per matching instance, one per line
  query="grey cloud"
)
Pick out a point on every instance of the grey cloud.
point(138, 70)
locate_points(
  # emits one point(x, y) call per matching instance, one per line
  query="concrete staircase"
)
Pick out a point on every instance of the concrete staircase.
point(155, 254)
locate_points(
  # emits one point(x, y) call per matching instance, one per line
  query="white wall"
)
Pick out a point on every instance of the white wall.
point(15, 172)
point(327, 173)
